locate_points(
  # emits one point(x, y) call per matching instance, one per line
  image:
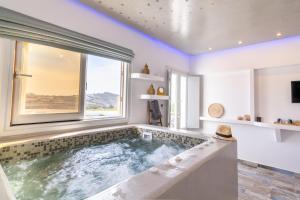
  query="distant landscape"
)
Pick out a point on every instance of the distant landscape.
point(39, 102)
point(101, 101)
point(97, 101)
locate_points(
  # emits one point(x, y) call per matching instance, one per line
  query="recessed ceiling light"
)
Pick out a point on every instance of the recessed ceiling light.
point(279, 34)
point(240, 42)
point(210, 48)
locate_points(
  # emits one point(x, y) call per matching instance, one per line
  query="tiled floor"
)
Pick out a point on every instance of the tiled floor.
point(257, 183)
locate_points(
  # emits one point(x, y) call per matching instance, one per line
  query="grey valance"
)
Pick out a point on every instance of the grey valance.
point(21, 27)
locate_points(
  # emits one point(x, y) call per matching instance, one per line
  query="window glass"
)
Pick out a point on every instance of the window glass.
point(104, 87)
point(49, 80)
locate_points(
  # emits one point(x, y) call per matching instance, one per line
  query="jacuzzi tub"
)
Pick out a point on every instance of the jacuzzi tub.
point(207, 170)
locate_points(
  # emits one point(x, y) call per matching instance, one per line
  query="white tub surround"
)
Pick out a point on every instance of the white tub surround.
point(207, 170)
point(5, 191)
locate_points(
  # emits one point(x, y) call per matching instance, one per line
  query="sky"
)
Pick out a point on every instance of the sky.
point(103, 75)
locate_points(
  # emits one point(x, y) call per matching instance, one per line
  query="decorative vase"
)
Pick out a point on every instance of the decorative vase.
point(259, 119)
point(146, 69)
point(151, 90)
point(240, 118)
point(161, 91)
point(247, 117)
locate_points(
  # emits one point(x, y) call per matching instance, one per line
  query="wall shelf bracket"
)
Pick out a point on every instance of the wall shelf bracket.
point(277, 135)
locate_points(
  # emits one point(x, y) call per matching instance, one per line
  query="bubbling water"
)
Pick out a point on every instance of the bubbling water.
point(80, 173)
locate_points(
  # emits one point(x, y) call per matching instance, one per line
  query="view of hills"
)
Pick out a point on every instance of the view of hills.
point(101, 100)
point(92, 101)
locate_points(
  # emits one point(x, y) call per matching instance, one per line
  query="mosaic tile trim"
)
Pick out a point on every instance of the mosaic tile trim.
point(186, 141)
point(32, 150)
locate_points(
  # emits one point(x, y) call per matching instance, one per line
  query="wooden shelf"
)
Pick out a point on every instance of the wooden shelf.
point(147, 77)
point(154, 97)
point(276, 127)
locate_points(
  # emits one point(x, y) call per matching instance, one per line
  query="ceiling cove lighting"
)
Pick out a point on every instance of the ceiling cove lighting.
point(119, 23)
point(253, 47)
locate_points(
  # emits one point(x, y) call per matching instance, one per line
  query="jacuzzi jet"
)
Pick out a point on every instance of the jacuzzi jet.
point(169, 164)
point(178, 159)
point(154, 170)
point(119, 193)
point(147, 136)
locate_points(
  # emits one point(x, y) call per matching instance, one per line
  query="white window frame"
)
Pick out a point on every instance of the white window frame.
point(6, 101)
point(18, 119)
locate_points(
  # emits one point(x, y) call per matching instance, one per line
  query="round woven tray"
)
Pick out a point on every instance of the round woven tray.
point(216, 110)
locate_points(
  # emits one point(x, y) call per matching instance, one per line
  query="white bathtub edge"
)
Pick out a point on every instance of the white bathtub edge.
point(5, 189)
point(147, 185)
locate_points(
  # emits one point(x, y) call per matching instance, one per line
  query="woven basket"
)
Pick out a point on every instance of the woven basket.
point(216, 110)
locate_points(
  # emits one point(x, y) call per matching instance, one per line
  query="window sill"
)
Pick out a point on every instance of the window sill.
point(57, 127)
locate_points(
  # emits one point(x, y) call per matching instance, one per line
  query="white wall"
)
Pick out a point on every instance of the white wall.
point(273, 96)
point(75, 16)
point(257, 144)
point(232, 90)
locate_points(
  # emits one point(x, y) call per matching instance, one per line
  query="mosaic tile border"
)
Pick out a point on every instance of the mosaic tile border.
point(186, 141)
point(45, 147)
point(32, 150)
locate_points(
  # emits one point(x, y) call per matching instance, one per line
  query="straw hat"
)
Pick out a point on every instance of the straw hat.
point(224, 133)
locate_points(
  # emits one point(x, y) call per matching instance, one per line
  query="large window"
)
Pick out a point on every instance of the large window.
point(52, 84)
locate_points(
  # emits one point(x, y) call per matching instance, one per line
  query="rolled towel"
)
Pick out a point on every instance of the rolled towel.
point(154, 109)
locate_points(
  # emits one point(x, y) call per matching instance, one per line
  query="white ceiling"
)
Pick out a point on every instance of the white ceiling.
point(197, 26)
